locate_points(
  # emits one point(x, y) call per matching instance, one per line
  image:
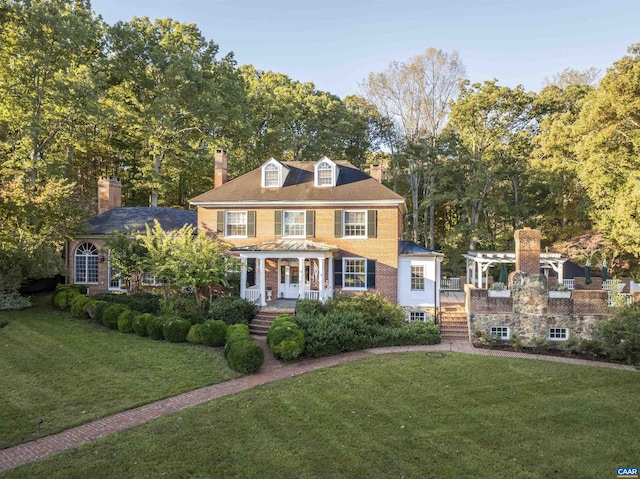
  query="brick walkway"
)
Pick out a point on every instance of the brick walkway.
point(272, 370)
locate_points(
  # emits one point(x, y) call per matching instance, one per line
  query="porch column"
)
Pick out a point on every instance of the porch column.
point(321, 278)
point(243, 277)
point(330, 273)
point(560, 272)
point(263, 291)
point(479, 275)
point(471, 272)
point(301, 285)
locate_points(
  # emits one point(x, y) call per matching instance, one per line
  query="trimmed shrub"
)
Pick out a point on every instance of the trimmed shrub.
point(80, 288)
point(125, 321)
point(62, 299)
point(79, 306)
point(245, 356)
point(140, 323)
point(175, 329)
point(621, 334)
point(312, 307)
point(213, 333)
point(96, 309)
point(155, 327)
point(232, 310)
point(185, 307)
point(143, 302)
point(286, 340)
point(374, 307)
point(235, 332)
point(111, 313)
point(194, 335)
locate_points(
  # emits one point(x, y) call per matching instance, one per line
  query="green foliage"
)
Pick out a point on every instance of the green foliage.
point(232, 310)
point(285, 339)
point(195, 334)
point(310, 306)
point(516, 343)
point(111, 314)
point(620, 334)
point(591, 347)
point(127, 256)
point(213, 333)
point(11, 300)
point(338, 332)
point(96, 309)
point(140, 323)
point(540, 345)
point(374, 307)
point(175, 329)
point(125, 321)
point(64, 297)
point(143, 302)
point(155, 327)
point(80, 288)
point(185, 306)
point(79, 306)
point(244, 355)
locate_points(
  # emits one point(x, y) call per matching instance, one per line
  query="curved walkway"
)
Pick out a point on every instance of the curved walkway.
point(272, 370)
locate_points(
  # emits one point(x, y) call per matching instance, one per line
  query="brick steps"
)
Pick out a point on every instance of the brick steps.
point(260, 325)
point(453, 322)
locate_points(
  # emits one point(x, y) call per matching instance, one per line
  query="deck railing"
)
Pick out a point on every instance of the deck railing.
point(568, 283)
point(449, 284)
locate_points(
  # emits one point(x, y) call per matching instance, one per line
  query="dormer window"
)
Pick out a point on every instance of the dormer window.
point(273, 174)
point(326, 172)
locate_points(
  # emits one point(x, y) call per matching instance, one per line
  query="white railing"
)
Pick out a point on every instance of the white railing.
point(315, 294)
point(252, 295)
point(626, 296)
point(608, 284)
point(449, 284)
point(312, 294)
point(568, 283)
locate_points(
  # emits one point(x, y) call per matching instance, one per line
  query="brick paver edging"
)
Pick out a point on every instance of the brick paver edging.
point(272, 370)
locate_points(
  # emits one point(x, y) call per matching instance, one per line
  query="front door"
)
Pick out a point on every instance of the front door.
point(289, 278)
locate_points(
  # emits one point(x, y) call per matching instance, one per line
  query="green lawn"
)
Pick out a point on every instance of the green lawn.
point(66, 372)
point(410, 415)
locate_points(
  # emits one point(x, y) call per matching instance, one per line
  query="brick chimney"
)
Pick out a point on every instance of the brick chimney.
point(109, 193)
point(528, 251)
point(220, 171)
point(375, 171)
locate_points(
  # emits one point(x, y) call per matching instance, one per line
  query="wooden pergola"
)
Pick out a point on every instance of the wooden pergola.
point(479, 262)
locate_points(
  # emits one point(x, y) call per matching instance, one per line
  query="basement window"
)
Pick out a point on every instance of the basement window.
point(500, 331)
point(558, 334)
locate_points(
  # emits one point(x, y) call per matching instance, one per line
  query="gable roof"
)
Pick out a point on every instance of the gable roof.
point(136, 219)
point(353, 185)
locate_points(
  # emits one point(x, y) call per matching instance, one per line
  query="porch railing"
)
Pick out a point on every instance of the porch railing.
point(568, 283)
point(449, 284)
point(252, 295)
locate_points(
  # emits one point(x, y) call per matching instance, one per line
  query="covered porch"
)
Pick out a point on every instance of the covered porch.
point(286, 270)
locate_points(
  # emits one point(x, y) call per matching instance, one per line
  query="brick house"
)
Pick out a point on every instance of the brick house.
point(318, 229)
point(87, 259)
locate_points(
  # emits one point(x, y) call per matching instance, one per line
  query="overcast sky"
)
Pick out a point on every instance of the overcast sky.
point(337, 43)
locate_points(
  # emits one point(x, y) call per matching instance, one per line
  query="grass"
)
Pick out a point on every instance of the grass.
point(66, 372)
point(409, 415)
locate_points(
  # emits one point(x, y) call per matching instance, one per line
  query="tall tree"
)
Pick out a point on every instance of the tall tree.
point(415, 96)
point(571, 76)
point(489, 121)
point(609, 152)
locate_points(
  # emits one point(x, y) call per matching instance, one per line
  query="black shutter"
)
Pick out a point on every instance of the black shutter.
point(251, 271)
point(277, 223)
point(251, 223)
point(372, 223)
point(371, 273)
point(311, 223)
point(220, 226)
point(337, 273)
point(337, 223)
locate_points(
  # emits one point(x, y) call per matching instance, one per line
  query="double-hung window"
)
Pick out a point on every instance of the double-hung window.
point(355, 273)
point(417, 278)
point(355, 224)
point(324, 174)
point(293, 224)
point(86, 264)
point(236, 223)
point(271, 176)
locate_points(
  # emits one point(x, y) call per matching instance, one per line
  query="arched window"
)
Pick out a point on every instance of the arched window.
point(86, 265)
point(271, 175)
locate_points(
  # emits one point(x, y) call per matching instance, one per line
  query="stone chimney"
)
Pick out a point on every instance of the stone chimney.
point(220, 172)
point(109, 193)
point(375, 171)
point(528, 251)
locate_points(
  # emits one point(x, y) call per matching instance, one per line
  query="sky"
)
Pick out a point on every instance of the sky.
point(336, 43)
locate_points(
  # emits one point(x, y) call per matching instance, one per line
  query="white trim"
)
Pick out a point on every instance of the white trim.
point(304, 224)
point(501, 331)
point(365, 235)
point(556, 332)
point(283, 171)
point(423, 276)
point(334, 172)
point(297, 203)
point(85, 257)
point(246, 224)
point(344, 274)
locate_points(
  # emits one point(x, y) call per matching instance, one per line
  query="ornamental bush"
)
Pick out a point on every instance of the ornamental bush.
point(235, 332)
point(110, 315)
point(79, 306)
point(374, 307)
point(143, 302)
point(96, 309)
point(62, 298)
point(621, 334)
point(140, 323)
point(194, 335)
point(285, 339)
point(125, 321)
point(232, 310)
point(213, 333)
point(310, 306)
point(245, 356)
point(155, 327)
point(175, 329)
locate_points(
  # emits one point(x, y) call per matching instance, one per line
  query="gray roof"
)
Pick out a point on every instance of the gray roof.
point(352, 185)
point(136, 219)
point(410, 248)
